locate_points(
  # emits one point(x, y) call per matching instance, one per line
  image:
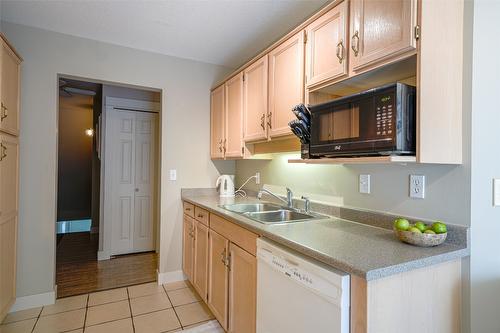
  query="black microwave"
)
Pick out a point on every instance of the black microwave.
point(379, 121)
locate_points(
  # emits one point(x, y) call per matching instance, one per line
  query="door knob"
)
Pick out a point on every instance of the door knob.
point(137, 190)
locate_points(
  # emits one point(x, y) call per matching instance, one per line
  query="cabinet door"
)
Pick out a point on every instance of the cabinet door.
point(326, 47)
point(217, 122)
point(201, 259)
point(380, 31)
point(286, 83)
point(9, 91)
point(233, 141)
point(218, 277)
point(8, 237)
point(188, 247)
point(255, 101)
point(9, 158)
point(242, 290)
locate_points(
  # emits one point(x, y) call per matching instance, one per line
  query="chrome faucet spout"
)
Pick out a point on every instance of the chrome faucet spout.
point(289, 196)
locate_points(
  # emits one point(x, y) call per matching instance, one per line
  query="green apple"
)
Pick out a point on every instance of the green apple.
point(429, 231)
point(420, 226)
point(416, 230)
point(439, 227)
point(401, 224)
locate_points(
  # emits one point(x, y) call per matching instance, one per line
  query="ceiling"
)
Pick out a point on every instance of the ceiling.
point(219, 32)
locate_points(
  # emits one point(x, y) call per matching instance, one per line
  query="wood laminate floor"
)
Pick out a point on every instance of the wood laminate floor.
point(79, 272)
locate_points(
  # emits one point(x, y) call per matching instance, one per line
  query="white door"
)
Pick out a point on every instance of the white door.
point(132, 165)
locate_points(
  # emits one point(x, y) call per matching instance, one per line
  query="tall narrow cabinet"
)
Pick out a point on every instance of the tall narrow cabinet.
point(9, 172)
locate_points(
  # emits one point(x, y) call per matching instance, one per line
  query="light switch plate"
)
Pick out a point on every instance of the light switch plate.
point(496, 192)
point(417, 186)
point(364, 184)
point(173, 174)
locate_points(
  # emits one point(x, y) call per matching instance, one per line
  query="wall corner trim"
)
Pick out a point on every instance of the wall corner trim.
point(33, 301)
point(169, 277)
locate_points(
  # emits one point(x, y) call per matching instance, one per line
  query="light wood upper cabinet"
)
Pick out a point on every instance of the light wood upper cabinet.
point(188, 247)
point(233, 142)
point(200, 279)
point(218, 280)
point(255, 101)
point(380, 30)
point(286, 83)
point(327, 46)
point(10, 71)
point(217, 119)
point(242, 290)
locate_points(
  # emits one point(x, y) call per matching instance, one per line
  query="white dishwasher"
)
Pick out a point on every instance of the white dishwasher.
point(296, 294)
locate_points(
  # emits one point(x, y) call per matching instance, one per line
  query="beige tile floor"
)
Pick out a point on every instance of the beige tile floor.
point(145, 308)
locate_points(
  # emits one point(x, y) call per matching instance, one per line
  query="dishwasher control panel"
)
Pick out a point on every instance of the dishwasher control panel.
point(292, 268)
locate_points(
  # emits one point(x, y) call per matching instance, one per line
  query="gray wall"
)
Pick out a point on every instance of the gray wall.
point(485, 256)
point(184, 127)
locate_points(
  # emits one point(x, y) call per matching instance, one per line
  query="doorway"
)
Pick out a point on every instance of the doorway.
point(88, 228)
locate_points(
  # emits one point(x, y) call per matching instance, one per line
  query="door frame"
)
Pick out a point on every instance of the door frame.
point(124, 104)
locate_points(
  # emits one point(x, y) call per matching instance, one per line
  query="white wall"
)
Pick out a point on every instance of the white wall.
point(184, 145)
point(485, 256)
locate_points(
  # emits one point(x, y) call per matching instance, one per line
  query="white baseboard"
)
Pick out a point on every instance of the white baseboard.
point(101, 255)
point(33, 301)
point(170, 277)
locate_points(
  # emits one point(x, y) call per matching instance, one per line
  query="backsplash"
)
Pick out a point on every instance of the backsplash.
point(445, 193)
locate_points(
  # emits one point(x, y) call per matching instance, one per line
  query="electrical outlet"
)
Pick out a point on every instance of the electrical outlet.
point(364, 184)
point(417, 186)
point(257, 178)
point(173, 174)
point(496, 192)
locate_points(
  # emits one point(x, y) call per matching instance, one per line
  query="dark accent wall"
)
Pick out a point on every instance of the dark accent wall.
point(74, 195)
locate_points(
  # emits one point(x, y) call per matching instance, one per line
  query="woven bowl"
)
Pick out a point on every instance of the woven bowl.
point(420, 239)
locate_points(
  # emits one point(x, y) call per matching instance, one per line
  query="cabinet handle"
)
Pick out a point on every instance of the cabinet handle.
point(3, 153)
point(223, 257)
point(340, 50)
point(188, 209)
point(262, 121)
point(200, 216)
point(4, 112)
point(355, 43)
point(224, 146)
point(220, 145)
point(269, 120)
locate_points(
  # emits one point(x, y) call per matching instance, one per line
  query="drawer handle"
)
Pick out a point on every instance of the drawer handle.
point(200, 216)
point(188, 209)
point(355, 43)
point(3, 153)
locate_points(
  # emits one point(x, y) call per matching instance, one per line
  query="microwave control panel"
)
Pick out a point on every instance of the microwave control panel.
point(385, 112)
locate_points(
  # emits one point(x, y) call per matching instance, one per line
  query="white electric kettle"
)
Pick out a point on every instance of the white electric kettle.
point(225, 184)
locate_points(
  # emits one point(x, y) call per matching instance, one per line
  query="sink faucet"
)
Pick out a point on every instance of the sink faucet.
point(289, 196)
point(307, 204)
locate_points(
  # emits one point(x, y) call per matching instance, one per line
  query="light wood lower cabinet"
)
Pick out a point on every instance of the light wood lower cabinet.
point(188, 247)
point(200, 280)
point(242, 290)
point(218, 280)
point(219, 259)
point(8, 236)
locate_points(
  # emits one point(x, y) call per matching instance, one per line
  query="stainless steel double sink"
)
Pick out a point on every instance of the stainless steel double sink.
point(268, 213)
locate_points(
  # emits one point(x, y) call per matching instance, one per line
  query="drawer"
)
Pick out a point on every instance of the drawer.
point(188, 209)
point(240, 236)
point(201, 215)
